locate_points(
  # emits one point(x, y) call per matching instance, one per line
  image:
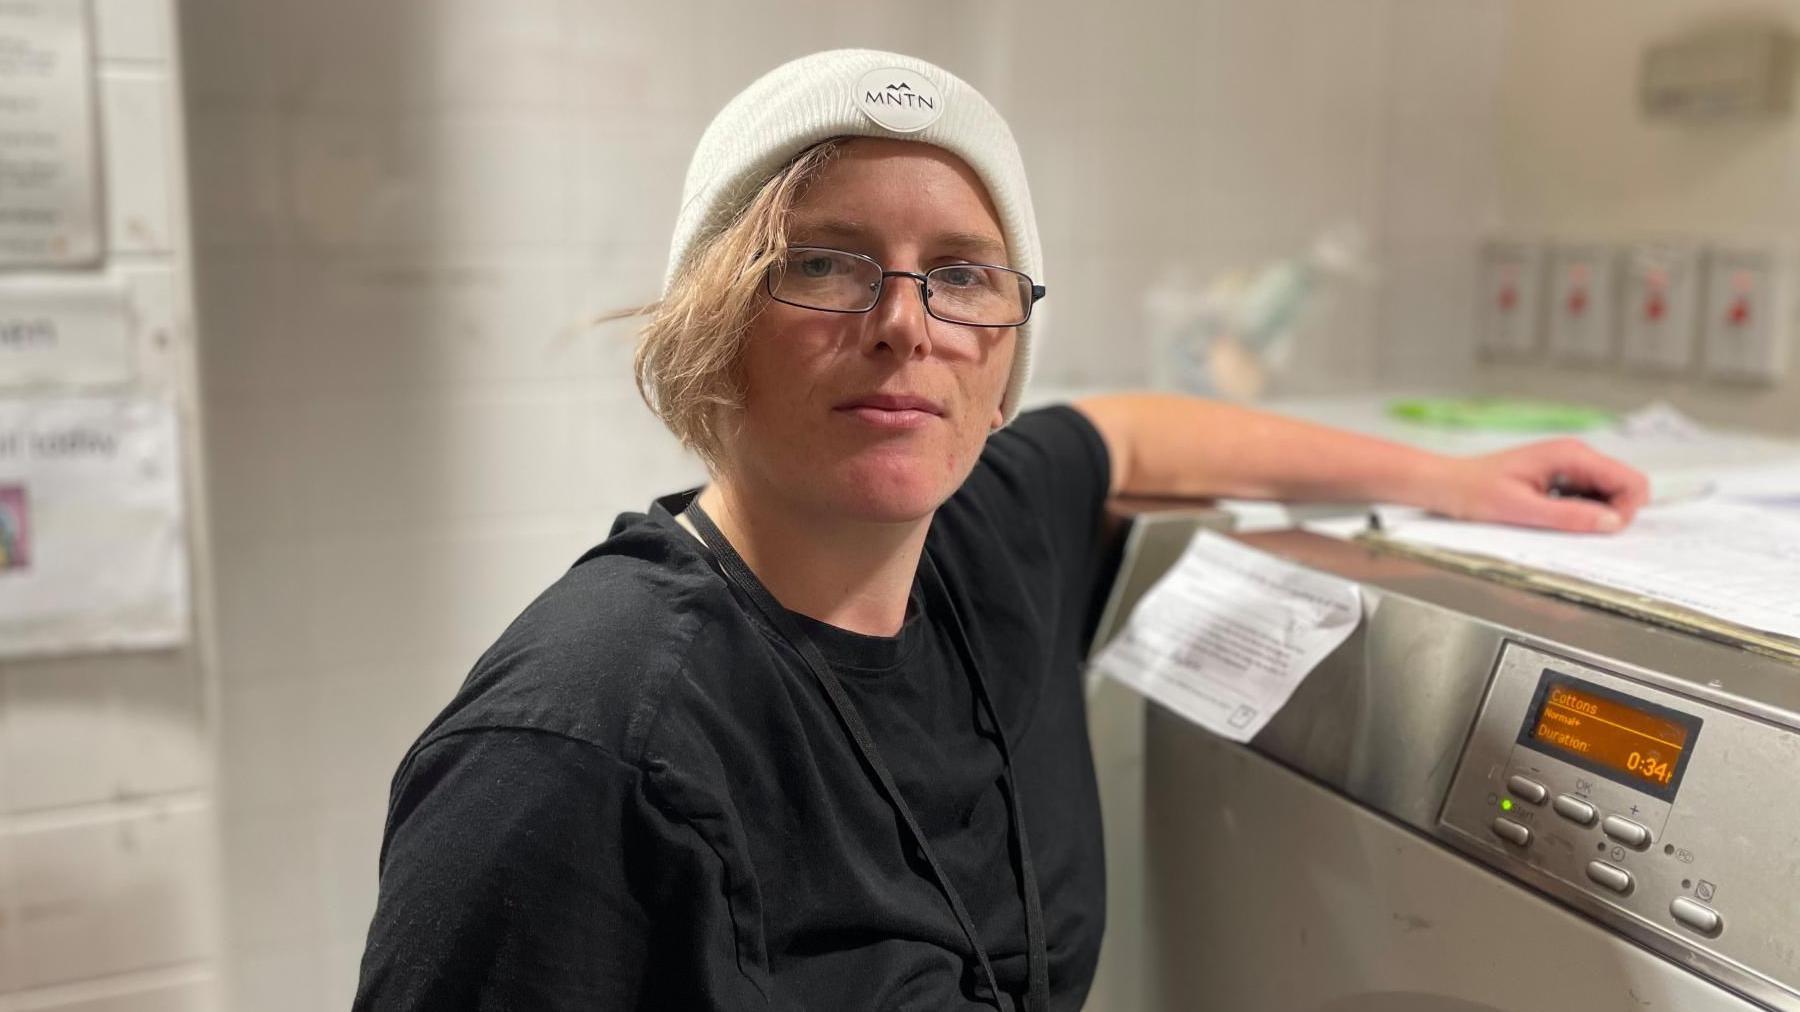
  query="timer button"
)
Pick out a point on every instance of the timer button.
point(1625, 831)
point(1529, 790)
point(1698, 916)
point(1611, 876)
point(1574, 809)
point(1512, 832)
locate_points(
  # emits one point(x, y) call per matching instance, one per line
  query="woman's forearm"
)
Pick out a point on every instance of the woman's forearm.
point(1167, 444)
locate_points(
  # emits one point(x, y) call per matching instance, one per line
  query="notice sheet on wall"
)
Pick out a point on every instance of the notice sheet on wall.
point(93, 552)
point(49, 184)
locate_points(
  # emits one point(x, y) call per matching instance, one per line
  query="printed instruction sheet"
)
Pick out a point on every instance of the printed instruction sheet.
point(1229, 633)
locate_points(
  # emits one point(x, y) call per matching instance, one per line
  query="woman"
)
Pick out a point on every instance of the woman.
point(813, 738)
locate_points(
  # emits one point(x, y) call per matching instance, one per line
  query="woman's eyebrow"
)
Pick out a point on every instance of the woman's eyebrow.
point(976, 245)
point(830, 230)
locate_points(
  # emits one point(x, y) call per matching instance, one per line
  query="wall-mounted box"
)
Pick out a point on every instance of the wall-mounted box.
point(1659, 306)
point(1582, 295)
point(1731, 71)
point(1749, 306)
point(1510, 293)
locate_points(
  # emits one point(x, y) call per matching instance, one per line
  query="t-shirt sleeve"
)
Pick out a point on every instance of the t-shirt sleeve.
point(1029, 522)
point(1050, 465)
point(524, 869)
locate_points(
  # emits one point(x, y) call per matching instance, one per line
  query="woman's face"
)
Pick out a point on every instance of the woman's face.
point(818, 435)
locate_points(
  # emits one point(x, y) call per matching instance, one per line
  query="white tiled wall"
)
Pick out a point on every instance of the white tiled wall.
point(412, 427)
point(107, 828)
point(138, 101)
point(406, 212)
point(110, 891)
point(1439, 186)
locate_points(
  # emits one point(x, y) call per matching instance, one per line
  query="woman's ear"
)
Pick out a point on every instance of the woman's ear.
point(999, 420)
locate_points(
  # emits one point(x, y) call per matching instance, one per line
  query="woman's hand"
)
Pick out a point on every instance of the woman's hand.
point(1521, 486)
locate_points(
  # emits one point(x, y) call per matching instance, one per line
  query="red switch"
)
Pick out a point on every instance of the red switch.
point(1739, 314)
point(1577, 301)
point(1655, 307)
point(1509, 297)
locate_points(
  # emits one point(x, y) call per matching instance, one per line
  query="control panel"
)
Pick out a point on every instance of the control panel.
point(1674, 819)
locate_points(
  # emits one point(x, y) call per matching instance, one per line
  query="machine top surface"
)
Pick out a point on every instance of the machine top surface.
point(1725, 673)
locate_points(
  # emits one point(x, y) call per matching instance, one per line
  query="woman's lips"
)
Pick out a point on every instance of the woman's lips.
point(891, 412)
point(885, 418)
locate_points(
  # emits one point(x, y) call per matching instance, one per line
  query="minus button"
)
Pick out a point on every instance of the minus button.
point(1529, 790)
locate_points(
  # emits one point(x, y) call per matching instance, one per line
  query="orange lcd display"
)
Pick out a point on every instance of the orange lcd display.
point(1636, 743)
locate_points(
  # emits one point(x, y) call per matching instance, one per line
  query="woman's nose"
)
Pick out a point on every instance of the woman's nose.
point(899, 321)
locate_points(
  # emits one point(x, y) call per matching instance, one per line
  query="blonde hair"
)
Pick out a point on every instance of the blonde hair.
point(689, 355)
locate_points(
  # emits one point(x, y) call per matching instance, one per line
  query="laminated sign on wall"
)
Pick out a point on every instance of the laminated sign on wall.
point(92, 548)
point(63, 332)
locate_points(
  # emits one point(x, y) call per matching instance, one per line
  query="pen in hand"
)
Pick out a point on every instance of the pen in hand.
point(1563, 488)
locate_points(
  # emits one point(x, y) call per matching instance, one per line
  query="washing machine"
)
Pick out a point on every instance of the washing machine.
point(1486, 800)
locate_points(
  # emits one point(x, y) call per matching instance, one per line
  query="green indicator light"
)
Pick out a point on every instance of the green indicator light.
point(1506, 804)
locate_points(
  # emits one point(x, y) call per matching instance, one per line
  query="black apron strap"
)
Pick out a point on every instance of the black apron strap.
point(733, 567)
point(1037, 962)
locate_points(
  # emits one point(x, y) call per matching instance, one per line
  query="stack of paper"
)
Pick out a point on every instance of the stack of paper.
point(1734, 559)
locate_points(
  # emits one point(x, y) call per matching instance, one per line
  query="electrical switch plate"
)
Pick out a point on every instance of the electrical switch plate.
point(1582, 297)
point(1659, 306)
point(1749, 306)
point(1512, 281)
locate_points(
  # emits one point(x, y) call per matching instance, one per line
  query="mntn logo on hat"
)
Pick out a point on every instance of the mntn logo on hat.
point(904, 101)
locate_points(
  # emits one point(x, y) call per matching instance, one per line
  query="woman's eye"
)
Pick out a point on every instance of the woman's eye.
point(816, 267)
point(959, 277)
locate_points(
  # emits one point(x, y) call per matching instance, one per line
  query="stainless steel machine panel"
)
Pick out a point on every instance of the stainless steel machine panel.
point(1429, 710)
point(1274, 894)
point(1670, 818)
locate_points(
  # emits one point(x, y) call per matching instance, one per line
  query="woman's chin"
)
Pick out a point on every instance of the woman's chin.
point(890, 494)
point(895, 507)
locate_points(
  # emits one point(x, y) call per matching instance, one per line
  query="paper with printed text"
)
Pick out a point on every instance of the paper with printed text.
point(1228, 634)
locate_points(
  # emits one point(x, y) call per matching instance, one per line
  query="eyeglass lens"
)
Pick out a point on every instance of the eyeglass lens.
point(836, 281)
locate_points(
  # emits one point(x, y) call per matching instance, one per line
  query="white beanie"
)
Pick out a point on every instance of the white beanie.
point(856, 93)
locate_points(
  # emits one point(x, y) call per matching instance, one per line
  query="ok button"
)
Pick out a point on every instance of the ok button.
point(1574, 809)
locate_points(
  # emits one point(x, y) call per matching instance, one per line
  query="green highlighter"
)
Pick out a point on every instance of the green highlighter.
point(1504, 414)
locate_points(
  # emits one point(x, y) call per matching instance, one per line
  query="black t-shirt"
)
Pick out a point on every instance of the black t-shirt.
point(642, 798)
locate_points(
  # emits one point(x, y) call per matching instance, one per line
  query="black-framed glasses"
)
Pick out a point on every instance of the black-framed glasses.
point(970, 295)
